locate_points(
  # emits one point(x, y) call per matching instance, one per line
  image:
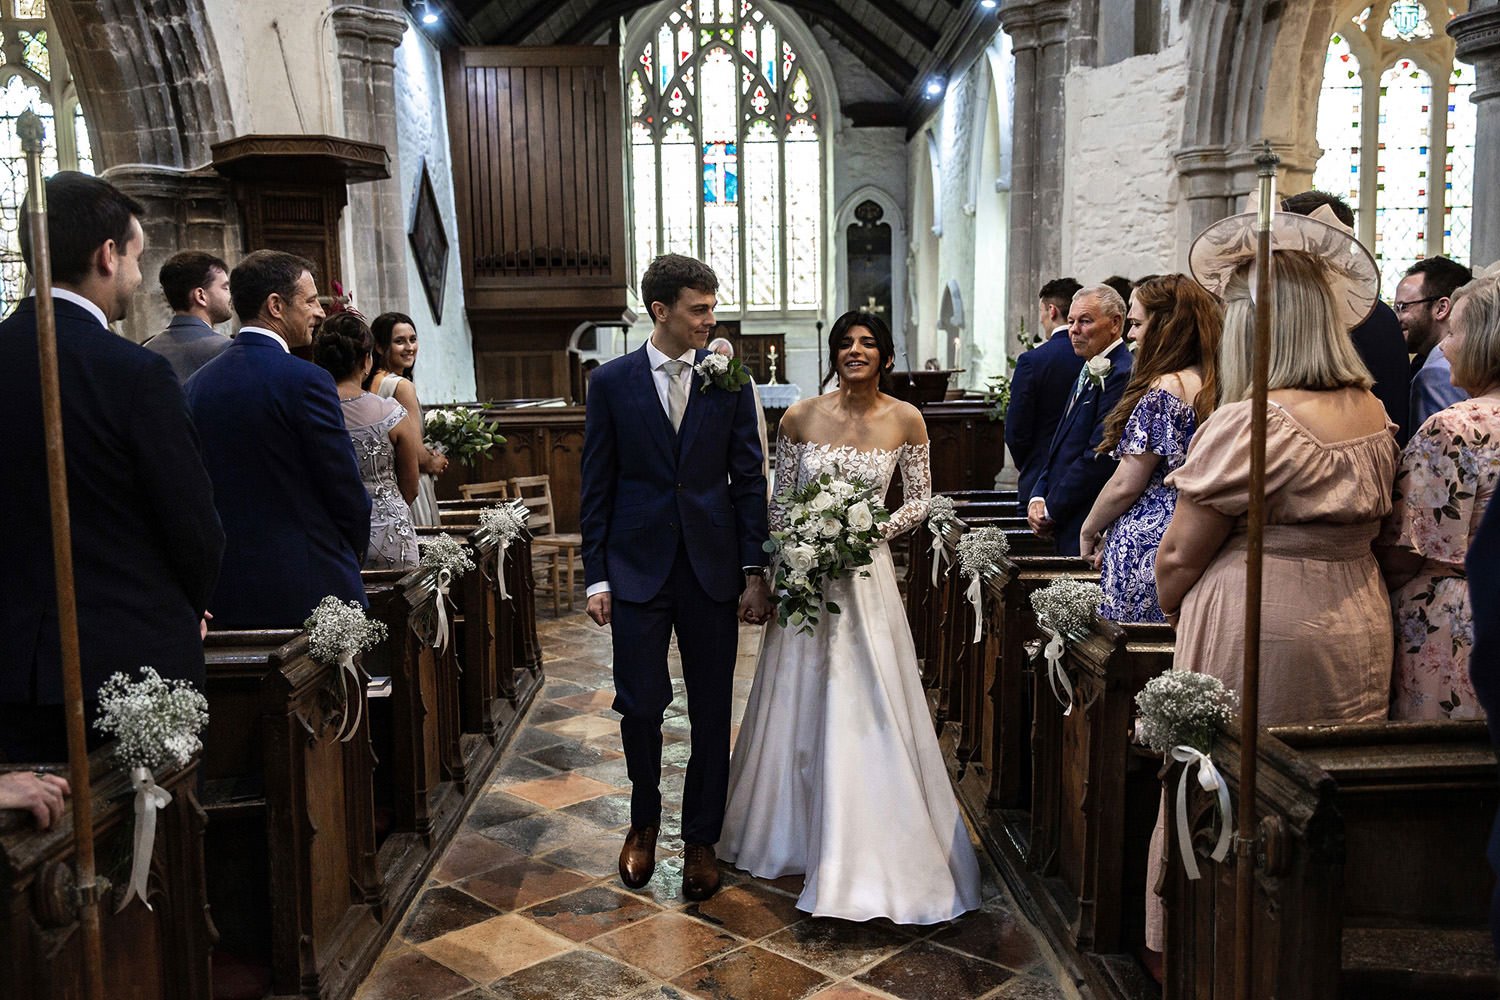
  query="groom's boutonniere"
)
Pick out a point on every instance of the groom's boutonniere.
point(1098, 368)
point(726, 373)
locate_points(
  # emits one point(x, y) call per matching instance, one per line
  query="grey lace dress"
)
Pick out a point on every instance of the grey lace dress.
point(370, 420)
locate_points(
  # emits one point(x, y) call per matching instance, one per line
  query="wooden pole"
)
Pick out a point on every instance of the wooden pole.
point(1245, 840)
point(29, 128)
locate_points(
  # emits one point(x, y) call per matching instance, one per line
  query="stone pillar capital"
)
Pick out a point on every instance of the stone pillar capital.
point(1477, 38)
point(372, 24)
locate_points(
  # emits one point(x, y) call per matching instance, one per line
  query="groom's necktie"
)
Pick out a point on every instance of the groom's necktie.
point(677, 391)
point(1083, 377)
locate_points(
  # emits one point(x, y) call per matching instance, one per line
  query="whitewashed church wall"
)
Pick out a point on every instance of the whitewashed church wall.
point(445, 366)
point(279, 65)
point(1123, 209)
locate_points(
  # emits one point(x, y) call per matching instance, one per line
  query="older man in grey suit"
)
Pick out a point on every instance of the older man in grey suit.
point(196, 285)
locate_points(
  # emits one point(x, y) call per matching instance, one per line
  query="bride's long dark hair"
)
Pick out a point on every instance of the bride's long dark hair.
point(883, 343)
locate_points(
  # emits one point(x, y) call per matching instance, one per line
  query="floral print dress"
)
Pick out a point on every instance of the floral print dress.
point(1163, 424)
point(1448, 474)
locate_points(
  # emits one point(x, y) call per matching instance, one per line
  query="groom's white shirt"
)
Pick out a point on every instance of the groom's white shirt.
point(662, 380)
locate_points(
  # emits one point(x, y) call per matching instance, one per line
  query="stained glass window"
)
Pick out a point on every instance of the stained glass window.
point(1397, 141)
point(726, 155)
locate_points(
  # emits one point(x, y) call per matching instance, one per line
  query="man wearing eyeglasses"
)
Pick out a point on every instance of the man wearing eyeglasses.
point(1423, 304)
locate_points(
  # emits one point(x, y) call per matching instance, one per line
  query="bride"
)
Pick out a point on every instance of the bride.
point(836, 772)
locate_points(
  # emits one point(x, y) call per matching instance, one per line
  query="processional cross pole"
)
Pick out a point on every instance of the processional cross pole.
point(29, 129)
point(1246, 840)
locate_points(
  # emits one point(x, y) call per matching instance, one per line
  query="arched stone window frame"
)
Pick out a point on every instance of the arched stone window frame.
point(640, 29)
point(896, 219)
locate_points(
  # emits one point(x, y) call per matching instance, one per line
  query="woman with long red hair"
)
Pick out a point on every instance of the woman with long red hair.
point(1176, 326)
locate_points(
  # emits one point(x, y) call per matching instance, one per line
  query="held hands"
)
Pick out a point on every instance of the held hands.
point(755, 602)
point(39, 794)
point(1036, 516)
point(435, 464)
point(599, 608)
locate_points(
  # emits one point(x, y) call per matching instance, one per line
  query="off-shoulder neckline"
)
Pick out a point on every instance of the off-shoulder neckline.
point(855, 449)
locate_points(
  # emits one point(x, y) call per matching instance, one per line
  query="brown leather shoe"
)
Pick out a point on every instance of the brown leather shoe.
point(700, 872)
point(638, 856)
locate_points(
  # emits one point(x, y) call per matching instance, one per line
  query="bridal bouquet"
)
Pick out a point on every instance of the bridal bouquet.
point(1064, 606)
point(979, 553)
point(155, 723)
point(1179, 711)
point(461, 432)
point(832, 527)
point(337, 632)
point(450, 558)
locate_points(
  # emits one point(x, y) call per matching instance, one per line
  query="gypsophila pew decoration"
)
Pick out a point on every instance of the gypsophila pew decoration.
point(451, 559)
point(1061, 607)
point(832, 528)
point(337, 632)
point(1179, 711)
point(724, 373)
point(942, 518)
point(461, 432)
point(506, 522)
point(979, 553)
point(155, 723)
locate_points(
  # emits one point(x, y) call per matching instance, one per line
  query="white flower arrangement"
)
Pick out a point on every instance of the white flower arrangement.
point(1179, 711)
point(154, 721)
point(725, 373)
point(505, 521)
point(339, 630)
point(1098, 368)
point(461, 432)
point(447, 553)
point(832, 527)
point(1064, 607)
point(941, 512)
point(1180, 708)
point(979, 553)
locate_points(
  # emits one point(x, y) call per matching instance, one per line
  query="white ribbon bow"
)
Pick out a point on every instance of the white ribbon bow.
point(974, 595)
point(149, 797)
point(500, 568)
point(1056, 674)
point(939, 551)
point(349, 671)
point(1210, 780)
point(444, 581)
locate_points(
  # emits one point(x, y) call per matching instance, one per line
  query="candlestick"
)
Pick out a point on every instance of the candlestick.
point(772, 355)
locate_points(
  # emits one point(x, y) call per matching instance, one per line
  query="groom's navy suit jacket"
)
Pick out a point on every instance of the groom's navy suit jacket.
point(286, 483)
point(1075, 473)
point(1039, 391)
point(645, 488)
point(146, 540)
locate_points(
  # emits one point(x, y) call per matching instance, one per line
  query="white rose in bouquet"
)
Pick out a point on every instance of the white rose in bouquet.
point(841, 490)
point(861, 518)
point(823, 501)
point(714, 365)
point(829, 527)
point(801, 557)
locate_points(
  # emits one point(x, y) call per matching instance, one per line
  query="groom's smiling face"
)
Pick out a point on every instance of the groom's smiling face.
point(686, 324)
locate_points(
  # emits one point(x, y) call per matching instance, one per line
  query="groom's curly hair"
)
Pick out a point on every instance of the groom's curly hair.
point(669, 274)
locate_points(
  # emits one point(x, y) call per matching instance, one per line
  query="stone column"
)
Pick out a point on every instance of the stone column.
point(1021, 281)
point(1478, 36)
point(184, 210)
point(367, 38)
point(1052, 21)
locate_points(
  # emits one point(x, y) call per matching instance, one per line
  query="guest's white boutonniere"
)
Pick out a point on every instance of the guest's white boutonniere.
point(1098, 368)
point(717, 370)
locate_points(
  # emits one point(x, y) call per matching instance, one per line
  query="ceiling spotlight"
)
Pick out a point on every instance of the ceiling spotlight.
point(424, 13)
point(989, 4)
point(934, 86)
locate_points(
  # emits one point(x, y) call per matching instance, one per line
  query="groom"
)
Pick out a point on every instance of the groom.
point(674, 517)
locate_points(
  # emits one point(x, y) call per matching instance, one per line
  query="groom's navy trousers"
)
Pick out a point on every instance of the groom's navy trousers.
point(670, 518)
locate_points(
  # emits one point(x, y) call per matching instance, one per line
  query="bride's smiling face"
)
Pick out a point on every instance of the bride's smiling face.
point(858, 358)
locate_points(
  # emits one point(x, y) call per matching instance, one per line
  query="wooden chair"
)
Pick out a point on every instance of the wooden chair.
point(559, 550)
point(497, 489)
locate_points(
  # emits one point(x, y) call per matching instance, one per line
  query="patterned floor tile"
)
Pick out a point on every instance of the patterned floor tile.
point(666, 945)
point(751, 972)
point(749, 911)
point(559, 790)
point(440, 911)
point(522, 884)
point(923, 971)
point(412, 974)
point(607, 811)
point(540, 832)
point(577, 975)
point(837, 947)
point(574, 756)
point(470, 853)
point(496, 948)
point(993, 933)
point(590, 912)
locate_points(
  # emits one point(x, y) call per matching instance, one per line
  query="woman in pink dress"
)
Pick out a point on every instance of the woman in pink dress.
point(1448, 474)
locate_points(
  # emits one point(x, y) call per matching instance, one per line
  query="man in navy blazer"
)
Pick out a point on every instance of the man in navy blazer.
point(674, 519)
point(286, 483)
point(146, 540)
point(1074, 473)
point(1040, 385)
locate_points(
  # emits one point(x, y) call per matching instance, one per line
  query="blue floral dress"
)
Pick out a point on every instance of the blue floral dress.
point(1163, 424)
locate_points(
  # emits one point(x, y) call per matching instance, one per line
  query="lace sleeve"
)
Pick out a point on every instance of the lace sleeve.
point(786, 479)
point(916, 490)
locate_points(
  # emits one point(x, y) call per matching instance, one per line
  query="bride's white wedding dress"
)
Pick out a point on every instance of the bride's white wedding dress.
point(836, 772)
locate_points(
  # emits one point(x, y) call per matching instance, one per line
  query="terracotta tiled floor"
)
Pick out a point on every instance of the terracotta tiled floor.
point(526, 903)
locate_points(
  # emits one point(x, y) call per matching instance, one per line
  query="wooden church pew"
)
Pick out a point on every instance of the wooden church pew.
point(291, 862)
point(1372, 879)
point(156, 954)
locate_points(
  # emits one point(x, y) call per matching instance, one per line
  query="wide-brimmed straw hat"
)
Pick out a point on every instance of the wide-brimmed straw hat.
point(1227, 245)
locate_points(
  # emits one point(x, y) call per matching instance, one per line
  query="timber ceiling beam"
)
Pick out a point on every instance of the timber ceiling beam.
point(923, 33)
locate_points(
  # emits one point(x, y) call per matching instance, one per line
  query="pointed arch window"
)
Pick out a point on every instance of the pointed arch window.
point(1396, 126)
point(726, 154)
